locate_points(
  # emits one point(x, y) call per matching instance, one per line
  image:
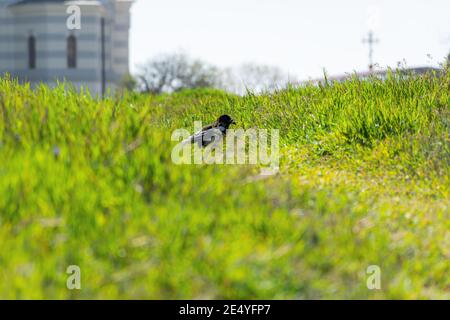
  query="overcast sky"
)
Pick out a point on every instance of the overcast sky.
point(301, 37)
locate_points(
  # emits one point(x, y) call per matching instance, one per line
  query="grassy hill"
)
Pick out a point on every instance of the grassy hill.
point(364, 180)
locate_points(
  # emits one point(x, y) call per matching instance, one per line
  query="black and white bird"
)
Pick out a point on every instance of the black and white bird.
point(211, 133)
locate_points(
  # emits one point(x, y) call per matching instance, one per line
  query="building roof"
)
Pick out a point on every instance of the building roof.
point(81, 2)
point(21, 2)
point(69, 2)
point(36, 1)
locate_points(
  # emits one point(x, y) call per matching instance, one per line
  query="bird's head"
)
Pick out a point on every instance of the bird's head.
point(225, 121)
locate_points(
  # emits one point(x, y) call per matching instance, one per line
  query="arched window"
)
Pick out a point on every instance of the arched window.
point(71, 51)
point(31, 52)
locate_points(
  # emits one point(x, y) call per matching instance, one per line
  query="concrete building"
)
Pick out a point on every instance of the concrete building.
point(84, 42)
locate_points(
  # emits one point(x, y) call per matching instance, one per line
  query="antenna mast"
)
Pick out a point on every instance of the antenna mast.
point(370, 40)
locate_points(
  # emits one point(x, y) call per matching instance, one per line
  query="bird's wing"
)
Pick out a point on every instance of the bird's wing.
point(210, 126)
point(203, 137)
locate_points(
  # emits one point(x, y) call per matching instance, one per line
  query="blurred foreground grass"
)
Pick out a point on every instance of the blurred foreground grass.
point(364, 181)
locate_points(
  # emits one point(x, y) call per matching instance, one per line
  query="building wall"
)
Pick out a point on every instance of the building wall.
point(47, 23)
point(121, 37)
point(7, 38)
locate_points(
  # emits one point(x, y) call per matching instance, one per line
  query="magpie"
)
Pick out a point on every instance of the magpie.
point(211, 132)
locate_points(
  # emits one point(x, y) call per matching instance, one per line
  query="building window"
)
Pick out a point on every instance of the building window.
point(71, 51)
point(31, 52)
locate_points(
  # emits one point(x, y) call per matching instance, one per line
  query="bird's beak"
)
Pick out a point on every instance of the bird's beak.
point(233, 122)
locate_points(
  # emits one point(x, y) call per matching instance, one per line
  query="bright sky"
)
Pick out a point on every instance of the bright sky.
point(301, 36)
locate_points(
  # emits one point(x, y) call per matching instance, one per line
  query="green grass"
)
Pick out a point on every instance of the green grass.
point(364, 181)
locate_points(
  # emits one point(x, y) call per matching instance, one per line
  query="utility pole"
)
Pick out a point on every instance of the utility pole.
point(103, 56)
point(370, 40)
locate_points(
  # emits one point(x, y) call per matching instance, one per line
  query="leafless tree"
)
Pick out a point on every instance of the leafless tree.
point(174, 72)
point(254, 77)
